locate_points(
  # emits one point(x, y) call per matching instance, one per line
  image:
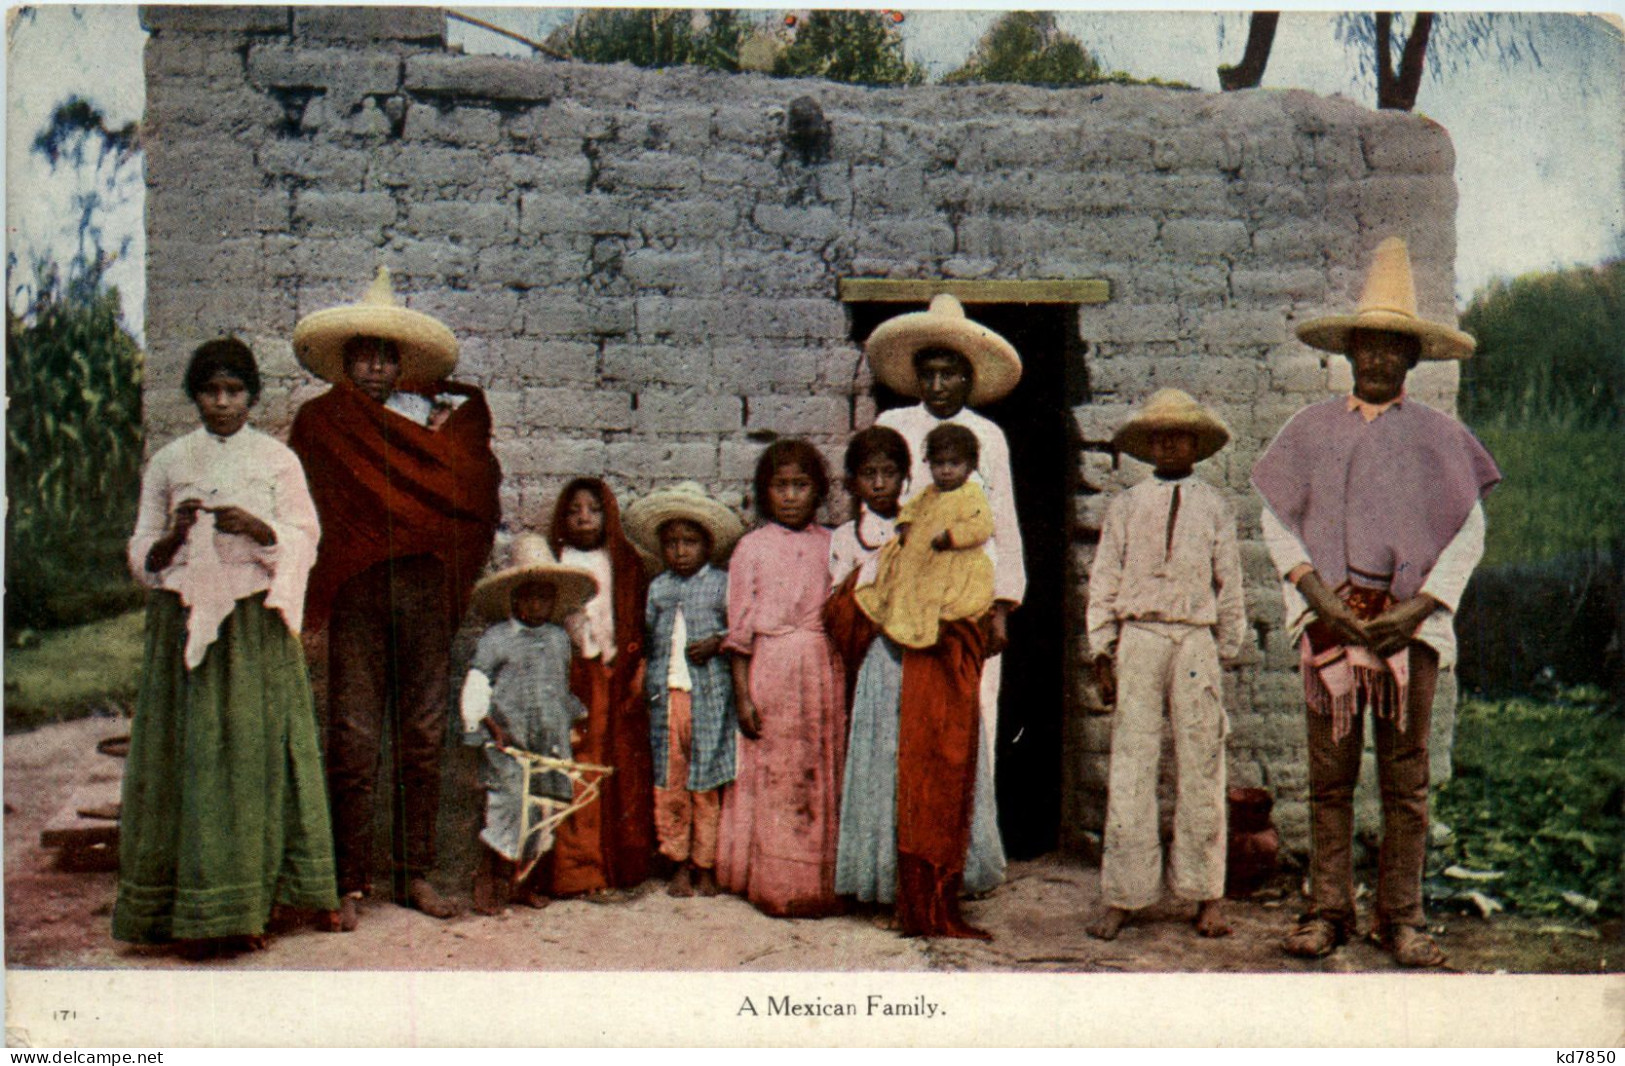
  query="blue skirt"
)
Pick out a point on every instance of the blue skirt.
point(866, 859)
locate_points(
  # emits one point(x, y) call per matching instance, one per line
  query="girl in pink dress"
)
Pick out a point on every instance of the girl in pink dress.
point(779, 820)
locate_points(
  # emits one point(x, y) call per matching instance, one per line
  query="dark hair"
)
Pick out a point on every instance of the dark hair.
point(940, 352)
point(223, 354)
point(705, 532)
point(877, 440)
point(363, 344)
point(953, 439)
point(789, 452)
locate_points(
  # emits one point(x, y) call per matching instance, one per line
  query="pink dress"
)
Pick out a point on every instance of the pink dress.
point(779, 819)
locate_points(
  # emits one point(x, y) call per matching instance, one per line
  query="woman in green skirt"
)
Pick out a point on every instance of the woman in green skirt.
point(224, 811)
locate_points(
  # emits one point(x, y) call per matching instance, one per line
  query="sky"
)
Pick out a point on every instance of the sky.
point(1540, 146)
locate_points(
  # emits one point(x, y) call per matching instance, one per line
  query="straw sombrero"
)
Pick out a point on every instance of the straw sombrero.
point(1388, 303)
point(892, 345)
point(428, 349)
point(1171, 409)
point(531, 559)
point(688, 501)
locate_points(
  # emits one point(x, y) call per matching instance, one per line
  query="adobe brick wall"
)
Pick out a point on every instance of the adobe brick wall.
point(643, 277)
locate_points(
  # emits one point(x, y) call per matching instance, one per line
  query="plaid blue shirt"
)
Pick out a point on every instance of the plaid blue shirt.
point(703, 597)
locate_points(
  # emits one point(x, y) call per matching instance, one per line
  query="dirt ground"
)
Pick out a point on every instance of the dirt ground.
point(57, 918)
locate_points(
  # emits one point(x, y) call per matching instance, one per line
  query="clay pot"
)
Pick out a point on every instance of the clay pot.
point(1255, 843)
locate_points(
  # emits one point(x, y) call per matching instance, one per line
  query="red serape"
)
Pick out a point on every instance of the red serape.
point(939, 725)
point(613, 845)
point(387, 488)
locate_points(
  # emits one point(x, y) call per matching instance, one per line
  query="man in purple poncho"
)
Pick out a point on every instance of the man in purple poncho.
point(1373, 520)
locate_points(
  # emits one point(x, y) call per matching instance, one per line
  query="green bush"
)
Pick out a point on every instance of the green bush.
point(1537, 795)
point(1550, 347)
point(1545, 392)
point(857, 47)
point(654, 37)
point(73, 457)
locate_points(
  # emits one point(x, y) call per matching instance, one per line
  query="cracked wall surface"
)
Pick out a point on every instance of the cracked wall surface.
point(642, 269)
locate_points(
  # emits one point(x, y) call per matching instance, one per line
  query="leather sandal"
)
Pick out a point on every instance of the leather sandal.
point(1410, 946)
point(1314, 938)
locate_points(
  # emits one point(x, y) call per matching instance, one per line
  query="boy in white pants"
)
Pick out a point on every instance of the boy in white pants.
point(1165, 606)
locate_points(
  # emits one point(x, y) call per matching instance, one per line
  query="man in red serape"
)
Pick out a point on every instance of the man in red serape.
point(400, 465)
point(1373, 521)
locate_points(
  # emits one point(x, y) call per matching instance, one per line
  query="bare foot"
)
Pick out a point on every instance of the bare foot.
point(705, 882)
point(1109, 924)
point(347, 917)
point(422, 896)
point(535, 899)
point(682, 882)
point(1210, 919)
point(487, 895)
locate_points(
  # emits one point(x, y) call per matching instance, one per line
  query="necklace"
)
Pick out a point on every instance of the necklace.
point(857, 531)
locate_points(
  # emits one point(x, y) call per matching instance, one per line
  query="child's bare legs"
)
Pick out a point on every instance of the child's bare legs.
point(491, 879)
point(1210, 919)
point(686, 822)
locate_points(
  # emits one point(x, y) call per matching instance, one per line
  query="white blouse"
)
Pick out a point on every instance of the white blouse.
point(592, 628)
point(213, 570)
point(857, 544)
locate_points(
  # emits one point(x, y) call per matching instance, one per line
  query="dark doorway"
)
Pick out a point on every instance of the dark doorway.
point(1036, 420)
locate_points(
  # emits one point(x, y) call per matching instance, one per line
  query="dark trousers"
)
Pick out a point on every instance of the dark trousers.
point(1402, 776)
point(389, 646)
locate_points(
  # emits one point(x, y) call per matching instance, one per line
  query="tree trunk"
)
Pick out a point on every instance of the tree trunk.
point(1397, 91)
point(1260, 38)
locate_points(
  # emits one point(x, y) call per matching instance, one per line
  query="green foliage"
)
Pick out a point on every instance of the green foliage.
point(1545, 393)
point(1549, 346)
point(1028, 48)
point(1537, 795)
point(73, 455)
point(857, 47)
point(1560, 492)
point(654, 37)
point(74, 672)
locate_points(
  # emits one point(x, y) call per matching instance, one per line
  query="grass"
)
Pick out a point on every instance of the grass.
point(1537, 795)
point(1560, 494)
point(69, 673)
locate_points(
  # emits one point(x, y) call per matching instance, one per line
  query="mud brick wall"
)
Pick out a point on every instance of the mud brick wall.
point(643, 270)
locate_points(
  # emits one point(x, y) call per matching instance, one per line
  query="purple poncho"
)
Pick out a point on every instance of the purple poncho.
point(1383, 497)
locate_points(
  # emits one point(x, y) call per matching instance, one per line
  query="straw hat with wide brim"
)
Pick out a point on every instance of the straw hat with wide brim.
point(1388, 303)
point(1171, 409)
point(687, 501)
point(531, 559)
point(428, 348)
point(893, 344)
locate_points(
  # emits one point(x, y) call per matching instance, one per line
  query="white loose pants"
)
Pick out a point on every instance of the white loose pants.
point(1164, 667)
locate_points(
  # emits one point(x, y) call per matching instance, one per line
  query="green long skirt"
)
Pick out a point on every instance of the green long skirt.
point(225, 810)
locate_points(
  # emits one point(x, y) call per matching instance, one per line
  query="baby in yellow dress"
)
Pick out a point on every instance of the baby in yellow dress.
point(936, 569)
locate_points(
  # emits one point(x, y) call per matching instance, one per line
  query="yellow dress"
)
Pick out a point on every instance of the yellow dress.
point(916, 587)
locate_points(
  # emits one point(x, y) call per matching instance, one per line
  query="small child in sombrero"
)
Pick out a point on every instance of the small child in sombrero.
point(689, 680)
point(517, 696)
point(1165, 606)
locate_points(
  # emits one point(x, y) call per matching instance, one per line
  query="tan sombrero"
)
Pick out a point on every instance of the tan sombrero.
point(428, 348)
point(1171, 409)
point(688, 501)
point(993, 359)
point(530, 559)
point(1388, 303)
